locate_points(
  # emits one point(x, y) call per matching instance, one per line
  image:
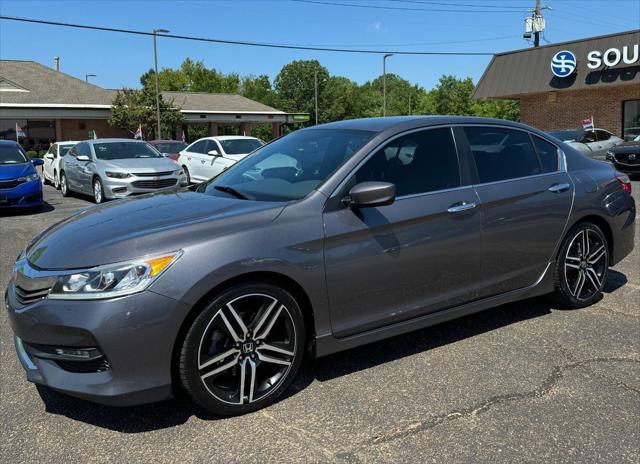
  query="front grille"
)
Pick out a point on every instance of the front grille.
point(26, 297)
point(9, 184)
point(154, 184)
point(84, 367)
point(153, 174)
point(624, 158)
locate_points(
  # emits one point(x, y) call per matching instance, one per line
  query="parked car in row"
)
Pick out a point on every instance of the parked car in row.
point(591, 142)
point(331, 237)
point(116, 168)
point(20, 185)
point(51, 167)
point(169, 148)
point(207, 157)
point(626, 156)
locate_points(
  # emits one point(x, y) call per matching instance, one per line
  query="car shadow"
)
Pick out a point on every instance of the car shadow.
point(177, 411)
point(18, 212)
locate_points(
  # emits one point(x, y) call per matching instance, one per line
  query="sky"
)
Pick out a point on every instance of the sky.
point(118, 60)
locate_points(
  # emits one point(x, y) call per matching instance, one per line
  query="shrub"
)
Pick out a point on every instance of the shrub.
point(32, 154)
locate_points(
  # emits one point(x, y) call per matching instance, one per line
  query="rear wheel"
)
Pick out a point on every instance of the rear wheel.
point(64, 186)
point(243, 350)
point(582, 266)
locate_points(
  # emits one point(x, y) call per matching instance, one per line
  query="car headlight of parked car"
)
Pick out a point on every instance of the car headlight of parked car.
point(29, 178)
point(117, 175)
point(112, 280)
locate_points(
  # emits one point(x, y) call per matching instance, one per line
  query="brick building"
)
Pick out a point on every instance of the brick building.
point(51, 106)
point(559, 85)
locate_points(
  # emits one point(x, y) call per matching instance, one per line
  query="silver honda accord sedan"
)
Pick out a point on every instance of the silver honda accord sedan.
point(328, 238)
point(117, 168)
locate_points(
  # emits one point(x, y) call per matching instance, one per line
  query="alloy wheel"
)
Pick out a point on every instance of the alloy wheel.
point(56, 180)
point(585, 264)
point(247, 349)
point(64, 188)
point(97, 191)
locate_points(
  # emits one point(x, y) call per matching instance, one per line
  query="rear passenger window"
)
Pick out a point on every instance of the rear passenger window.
point(502, 154)
point(198, 147)
point(416, 163)
point(547, 153)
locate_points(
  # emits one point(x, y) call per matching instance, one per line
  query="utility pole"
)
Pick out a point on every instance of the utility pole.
point(315, 86)
point(536, 34)
point(155, 58)
point(384, 83)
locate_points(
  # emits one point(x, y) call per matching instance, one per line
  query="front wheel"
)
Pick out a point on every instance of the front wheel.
point(56, 181)
point(98, 191)
point(64, 186)
point(243, 350)
point(582, 266)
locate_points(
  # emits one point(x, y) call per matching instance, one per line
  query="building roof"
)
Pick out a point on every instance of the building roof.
point(202, 102)
point(27, 83)
point(517, 73)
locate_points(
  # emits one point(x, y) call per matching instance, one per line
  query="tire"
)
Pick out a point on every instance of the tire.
point(212, 359)
point(98, 191)
point(64, 185)
point(56, 180)
point(186, 173)
point(579, 276)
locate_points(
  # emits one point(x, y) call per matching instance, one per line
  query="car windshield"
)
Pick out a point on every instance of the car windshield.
point(240, 146)
point(170, 147)
point(64, 149)
point(289, 168)
point(567, 135)
point(124, 150)
point(11, 154)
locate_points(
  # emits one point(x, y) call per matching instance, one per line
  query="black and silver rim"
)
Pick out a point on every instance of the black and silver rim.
point(56, 181)
point(97, 191)
point(247, 349)
point(63, 184)
point(585, 264)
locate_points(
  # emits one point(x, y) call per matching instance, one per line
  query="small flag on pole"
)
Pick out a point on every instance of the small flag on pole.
point(19, 132)
point(138, 134)
point(587, 123)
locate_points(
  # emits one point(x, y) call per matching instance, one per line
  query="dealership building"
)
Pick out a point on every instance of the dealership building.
point(560, 85)
point(48, 106)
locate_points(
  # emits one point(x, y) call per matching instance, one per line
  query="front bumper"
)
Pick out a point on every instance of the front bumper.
point(26, 195)
point(626, 167)
point(120, 188)
point(135, 334)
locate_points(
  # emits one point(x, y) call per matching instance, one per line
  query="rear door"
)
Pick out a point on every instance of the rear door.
point(49, 161)
point(525, 196)
point(415, 256)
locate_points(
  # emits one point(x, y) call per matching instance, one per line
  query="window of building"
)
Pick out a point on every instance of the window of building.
point(508, 156)
point(630, 119)
point(31, 134)
point(419, 162)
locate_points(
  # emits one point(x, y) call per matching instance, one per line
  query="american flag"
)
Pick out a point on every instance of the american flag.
point(138, 134)
point(587, 123)
point(19, 131)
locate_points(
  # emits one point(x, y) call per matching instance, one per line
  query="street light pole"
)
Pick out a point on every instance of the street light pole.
point(315, 85)
point(384, 83)
point(87, 76)
point(155, 58)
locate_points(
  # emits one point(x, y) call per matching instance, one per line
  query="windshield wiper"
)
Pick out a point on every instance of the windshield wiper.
point(231, 190)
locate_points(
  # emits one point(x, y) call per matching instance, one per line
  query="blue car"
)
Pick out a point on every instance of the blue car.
point(20, 185)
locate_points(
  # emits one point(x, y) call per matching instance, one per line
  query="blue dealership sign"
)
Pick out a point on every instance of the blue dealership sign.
point(563, 63)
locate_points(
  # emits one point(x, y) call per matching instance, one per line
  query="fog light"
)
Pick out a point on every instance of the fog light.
point(80, 354)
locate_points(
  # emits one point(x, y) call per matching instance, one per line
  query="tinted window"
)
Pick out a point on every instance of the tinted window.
point(290, 167)
point(124, 150)
point(588, 137)
point(567, 135)
point(513, 157)
point(603, 135)
point(211, 145)
point(83, 150)
point(547, 153)
point(240, 146)
point(199, 147)
point(64, 149)
point(170, 147)
point(419, 162)
point(11, 154)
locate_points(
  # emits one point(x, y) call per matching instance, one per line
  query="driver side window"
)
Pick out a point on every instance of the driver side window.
point(198, 147)
point(210, 146)
point(588, 137)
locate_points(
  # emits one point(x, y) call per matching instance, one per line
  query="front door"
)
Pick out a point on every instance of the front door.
point(194, 158)
point(420, 254)
point(525, 200)
point(49, 161)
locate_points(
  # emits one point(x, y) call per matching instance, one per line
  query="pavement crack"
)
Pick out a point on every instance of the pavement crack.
point(544, 389)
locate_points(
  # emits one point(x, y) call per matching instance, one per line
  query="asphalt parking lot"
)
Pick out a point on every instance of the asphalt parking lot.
point(525, 382)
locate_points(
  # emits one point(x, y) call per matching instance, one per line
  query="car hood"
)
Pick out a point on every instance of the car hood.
point(627, 147)
point(13, 171)
point(140, 164)
point(140, 226)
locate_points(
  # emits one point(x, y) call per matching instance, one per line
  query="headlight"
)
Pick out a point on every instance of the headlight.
point(117, 175)
point(29, 178)
point(112, 280)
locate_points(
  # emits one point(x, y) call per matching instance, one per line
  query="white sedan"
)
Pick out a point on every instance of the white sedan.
point(207, 157)
point(51, 167)
point(592, 142)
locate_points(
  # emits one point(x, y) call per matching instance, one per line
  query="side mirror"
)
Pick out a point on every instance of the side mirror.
point(37, 161)
point(82, 158)
point(370, 194)
point(213, 153)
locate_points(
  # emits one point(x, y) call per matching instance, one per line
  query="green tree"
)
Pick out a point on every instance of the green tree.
point(258, 88)
point(453, 96)
point(192, 76)
point(133, 108)
point(295, 87)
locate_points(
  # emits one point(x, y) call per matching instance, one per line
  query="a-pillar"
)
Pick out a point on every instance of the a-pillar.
point(245, 128)
point(213, 129)
point(275, 130)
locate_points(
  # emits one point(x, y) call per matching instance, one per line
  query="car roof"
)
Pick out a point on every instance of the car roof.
point(227, 137)
point(164, 141)
point(68, 142)
point(92, 141)
point(8, 142)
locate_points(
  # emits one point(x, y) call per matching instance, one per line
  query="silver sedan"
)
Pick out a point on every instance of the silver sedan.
point(116, 168)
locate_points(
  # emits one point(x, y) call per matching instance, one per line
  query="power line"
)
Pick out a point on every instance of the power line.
point(471, 5)
point(235, 42)
point(398, 8)
point(415, 44)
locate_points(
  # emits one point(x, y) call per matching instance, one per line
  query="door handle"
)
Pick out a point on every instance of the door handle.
point(201, 161)
point(461, 206)
point(558, 188)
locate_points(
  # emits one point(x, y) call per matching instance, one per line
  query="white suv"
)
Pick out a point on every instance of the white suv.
point(207, 157)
